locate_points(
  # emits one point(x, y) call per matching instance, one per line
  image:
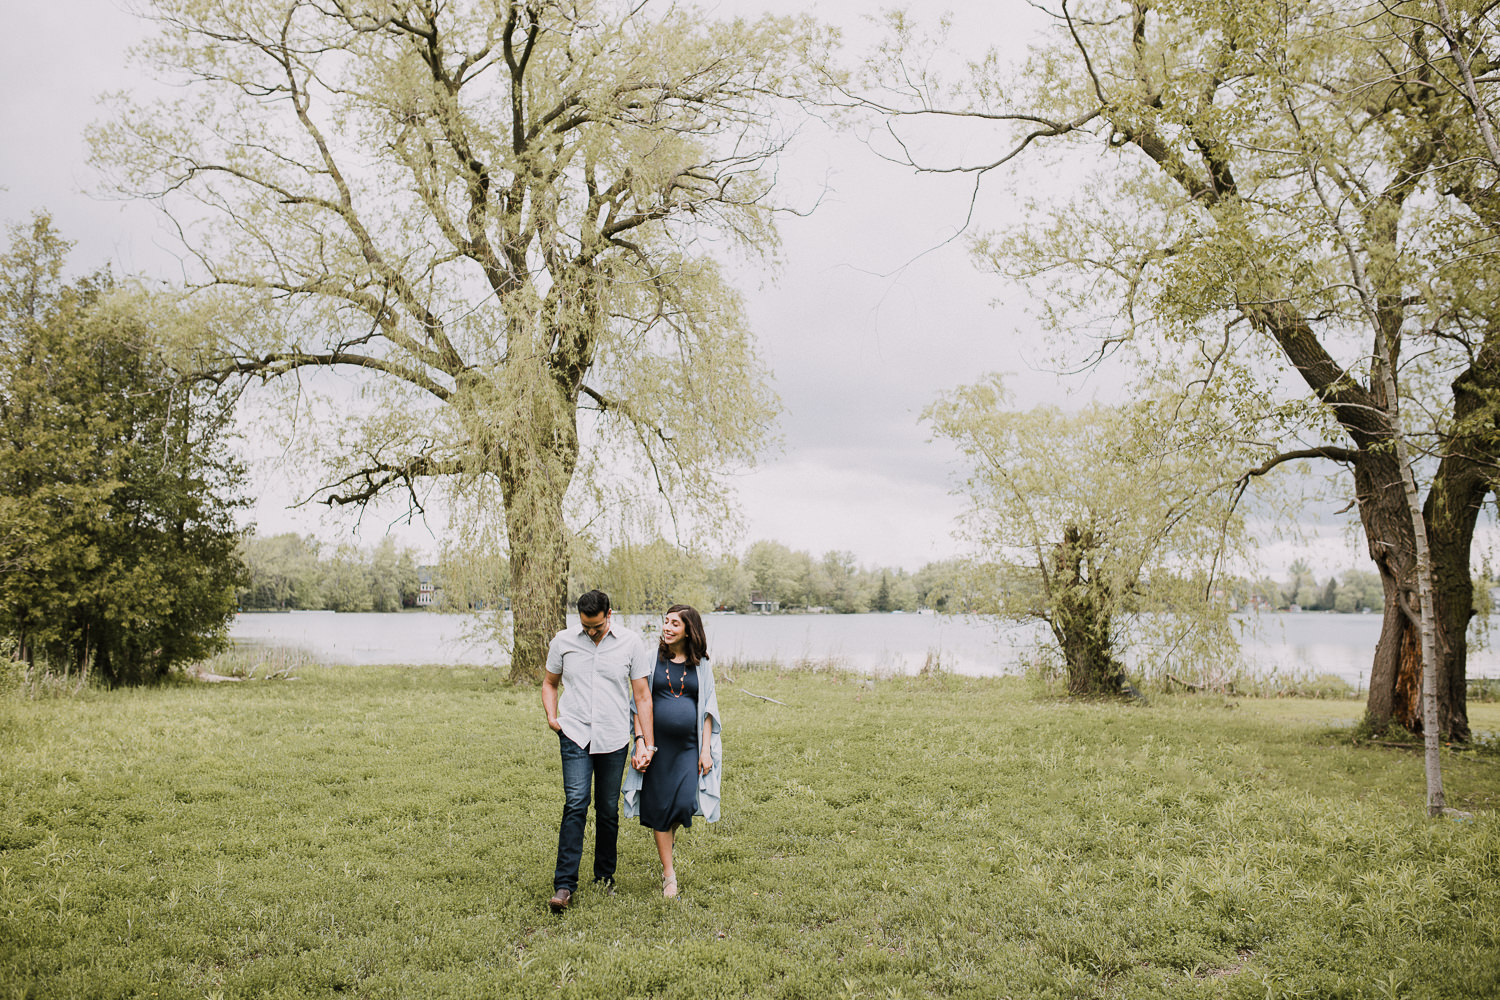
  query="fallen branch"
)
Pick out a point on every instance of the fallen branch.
point(1227, 688)
point(763, 697)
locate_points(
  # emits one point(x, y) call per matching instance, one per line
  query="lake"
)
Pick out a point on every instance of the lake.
point(895, 643)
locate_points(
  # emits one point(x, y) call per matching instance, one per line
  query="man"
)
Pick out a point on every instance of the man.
point(601, 667)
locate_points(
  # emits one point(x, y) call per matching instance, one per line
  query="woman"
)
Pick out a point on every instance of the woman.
point(681, 777)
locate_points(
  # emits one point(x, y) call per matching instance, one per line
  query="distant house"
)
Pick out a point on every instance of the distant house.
point(430, 594)
point(428, 590)
point(1225, 597)
point(761, 604)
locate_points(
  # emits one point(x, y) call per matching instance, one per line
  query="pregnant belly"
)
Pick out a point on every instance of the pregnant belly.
point(674, 717)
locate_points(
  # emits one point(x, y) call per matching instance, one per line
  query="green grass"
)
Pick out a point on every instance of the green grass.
point(375, 832)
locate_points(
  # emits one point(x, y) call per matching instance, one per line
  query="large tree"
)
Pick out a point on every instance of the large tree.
point(282, 572)
point(1299, 193)
point(1106, 525)
point(502, 212)
point(775, 571)
point(117, 491)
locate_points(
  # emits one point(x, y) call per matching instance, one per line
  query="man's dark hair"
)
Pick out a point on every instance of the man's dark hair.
point(595, 602)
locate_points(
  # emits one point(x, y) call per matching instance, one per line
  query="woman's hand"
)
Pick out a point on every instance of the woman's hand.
point(642, 757)
point(705, 762)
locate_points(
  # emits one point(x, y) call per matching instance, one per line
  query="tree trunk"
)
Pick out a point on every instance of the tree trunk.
point(537, 463)
point(1462, 483)
point(1396, 673)
point(1396, 670)
point(1427, 601)
point(539, 582)
point(1377, 488)
point(1080, 615)
point(1089, 653)
point(1458, 492)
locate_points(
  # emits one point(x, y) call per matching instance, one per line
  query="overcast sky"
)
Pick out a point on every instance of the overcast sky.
point(876, 309)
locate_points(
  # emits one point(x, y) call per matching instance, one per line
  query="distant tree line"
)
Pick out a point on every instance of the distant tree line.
point(292, 572)
point(1352, 591)
point(772, 577)
point(769, 576)
point(300, 573)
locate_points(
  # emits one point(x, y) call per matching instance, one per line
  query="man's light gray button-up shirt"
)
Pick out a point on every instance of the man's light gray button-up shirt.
point(594, 708)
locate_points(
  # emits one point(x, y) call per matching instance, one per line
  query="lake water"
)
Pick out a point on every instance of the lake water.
point(1285, 643)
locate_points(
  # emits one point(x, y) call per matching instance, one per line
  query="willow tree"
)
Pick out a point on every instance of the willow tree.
point(1104, 524)
point(1299, 193)
point(497, 212)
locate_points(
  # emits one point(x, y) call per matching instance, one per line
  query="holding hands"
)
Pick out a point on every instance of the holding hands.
point(641, 759)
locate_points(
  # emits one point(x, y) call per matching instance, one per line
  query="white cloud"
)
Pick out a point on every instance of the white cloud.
point(885, 520)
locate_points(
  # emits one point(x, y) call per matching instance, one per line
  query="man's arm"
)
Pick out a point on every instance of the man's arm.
point(552, 672)
point(640, 754)
point(549, 698)
point(644, 723)
point(642, 663)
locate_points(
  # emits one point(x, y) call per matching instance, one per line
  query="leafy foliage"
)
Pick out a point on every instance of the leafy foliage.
point(500, 216)
point(117, 491)
point(1297, 193)
point(1110, 525)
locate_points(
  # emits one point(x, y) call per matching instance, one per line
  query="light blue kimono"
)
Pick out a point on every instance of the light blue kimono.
point(707, 804)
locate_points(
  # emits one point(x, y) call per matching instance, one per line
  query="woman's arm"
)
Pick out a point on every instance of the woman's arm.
point(705, 756)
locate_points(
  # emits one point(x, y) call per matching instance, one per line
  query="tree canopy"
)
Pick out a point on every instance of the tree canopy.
point(1108, 524)
point(507, 216)
point(1297, 194)
point(117, 489)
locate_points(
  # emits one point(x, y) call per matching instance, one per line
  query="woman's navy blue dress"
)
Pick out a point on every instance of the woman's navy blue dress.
point(669, 787)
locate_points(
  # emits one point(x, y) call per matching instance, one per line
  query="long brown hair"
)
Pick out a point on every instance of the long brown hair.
point(694, 639)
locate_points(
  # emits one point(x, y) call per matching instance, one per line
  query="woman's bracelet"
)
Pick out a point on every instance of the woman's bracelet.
point(648, 746)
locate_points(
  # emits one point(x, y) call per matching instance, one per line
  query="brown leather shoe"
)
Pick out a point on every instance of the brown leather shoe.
point(560, 900)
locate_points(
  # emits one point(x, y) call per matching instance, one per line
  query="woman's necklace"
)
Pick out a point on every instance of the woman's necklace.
point(682, 682)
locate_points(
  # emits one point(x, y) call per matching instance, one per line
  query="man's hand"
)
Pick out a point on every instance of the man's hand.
point(556, 726)
point(642, 758)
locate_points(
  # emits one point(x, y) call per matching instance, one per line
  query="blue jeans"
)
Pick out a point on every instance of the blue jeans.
point(607, 771)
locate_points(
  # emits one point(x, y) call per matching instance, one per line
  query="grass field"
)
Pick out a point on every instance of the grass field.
point(389, 832)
